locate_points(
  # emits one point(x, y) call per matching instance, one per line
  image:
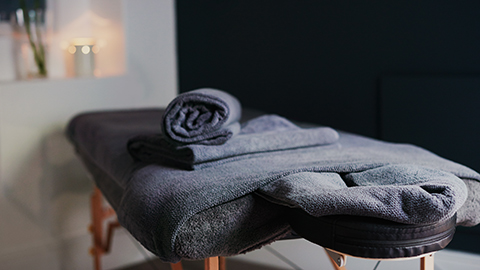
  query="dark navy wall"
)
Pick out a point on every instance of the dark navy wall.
point(332, 62)
point(8, 7)
point(321, 60)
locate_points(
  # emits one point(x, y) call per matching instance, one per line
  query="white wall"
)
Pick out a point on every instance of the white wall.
point(151, 45)
point(44, 191)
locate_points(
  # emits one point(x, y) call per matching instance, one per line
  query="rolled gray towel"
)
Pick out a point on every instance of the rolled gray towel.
point(203, 116)
point(267, 133)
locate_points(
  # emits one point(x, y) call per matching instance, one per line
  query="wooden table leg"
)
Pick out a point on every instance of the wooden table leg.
point(176, 266)
point(212, 263)
point(222, 263)
point(100, 213)
point(427, 262)
point(96, 227)
point(334, 263)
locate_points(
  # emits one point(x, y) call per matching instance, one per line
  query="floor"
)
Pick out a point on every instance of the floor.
point(300, 254)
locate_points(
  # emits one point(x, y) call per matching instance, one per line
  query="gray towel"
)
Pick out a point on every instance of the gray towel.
point(260, 135)
point(203, 116)
point(176, 195)
point(407, 194)
point(158, 203)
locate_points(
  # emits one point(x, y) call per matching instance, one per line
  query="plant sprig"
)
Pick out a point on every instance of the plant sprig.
point(37, 47)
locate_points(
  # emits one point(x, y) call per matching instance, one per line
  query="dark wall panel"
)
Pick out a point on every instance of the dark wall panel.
point(320, 61)
point(440, 114)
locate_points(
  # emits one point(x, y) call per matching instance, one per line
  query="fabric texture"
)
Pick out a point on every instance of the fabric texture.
point(260, 135)
point(236, 227)
point(203, 116)
point(406, 194)
point(160, 203)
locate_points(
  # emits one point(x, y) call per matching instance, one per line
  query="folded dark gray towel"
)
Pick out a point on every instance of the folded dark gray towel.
point(203, 116)
point(260, 135)
point(403, 193)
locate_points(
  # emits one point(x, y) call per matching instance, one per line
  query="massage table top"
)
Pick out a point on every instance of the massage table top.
point(374, 238)
point(100, 139)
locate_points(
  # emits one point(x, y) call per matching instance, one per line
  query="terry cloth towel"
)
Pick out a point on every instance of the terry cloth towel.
point(177, 195)
point(158, 203)
point(402, 193)
point(203, 116)
point(260, 135)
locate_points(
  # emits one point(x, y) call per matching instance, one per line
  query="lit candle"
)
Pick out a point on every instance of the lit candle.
point(83, 51)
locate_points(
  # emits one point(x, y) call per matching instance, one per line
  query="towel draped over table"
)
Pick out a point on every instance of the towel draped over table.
point(166, 208)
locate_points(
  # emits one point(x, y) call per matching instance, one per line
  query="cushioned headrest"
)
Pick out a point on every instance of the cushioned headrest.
point(369, 237)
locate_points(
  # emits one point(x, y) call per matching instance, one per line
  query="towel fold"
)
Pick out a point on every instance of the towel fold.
point(203, 116)
point(260, 135)
point(403, 193)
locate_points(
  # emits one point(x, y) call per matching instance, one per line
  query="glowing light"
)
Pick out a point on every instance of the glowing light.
point(95, 49)
point(85, 49)
point(72, 49)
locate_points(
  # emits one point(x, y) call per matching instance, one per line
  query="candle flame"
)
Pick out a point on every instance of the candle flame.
point(85, 49)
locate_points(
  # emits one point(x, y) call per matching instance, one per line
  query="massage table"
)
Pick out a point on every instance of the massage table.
point(197, 209)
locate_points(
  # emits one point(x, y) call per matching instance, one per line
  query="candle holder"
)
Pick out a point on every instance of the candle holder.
point(81, 57)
